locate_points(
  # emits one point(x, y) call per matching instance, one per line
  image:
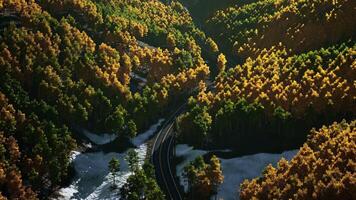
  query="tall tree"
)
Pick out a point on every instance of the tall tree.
point(221, 62)
point(171, 41)
point(114, 167)
point(215, 173)
point(203, 179)
point(212, 45)
point(141, 186)
point(131, 129)
point(132, 159)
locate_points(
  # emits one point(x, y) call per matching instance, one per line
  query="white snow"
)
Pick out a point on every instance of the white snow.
point(88, 145)
point(235, 170)
point(136, 76)
point(141, 138)
point(73, 155)
point(100, 138)
point(93, 180)
point(66, 193)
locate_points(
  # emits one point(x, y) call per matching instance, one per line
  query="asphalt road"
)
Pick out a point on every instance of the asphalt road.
point(162, 155)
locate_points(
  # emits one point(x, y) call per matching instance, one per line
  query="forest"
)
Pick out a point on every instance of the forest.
point(256, 76)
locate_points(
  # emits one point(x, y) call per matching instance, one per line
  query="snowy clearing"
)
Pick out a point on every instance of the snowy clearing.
point(235, 170)
point(92, 180)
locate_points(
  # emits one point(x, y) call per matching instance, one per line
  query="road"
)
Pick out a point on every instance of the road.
point(162, 155)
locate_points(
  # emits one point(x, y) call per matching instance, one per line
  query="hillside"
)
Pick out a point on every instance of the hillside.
point(324, 168)
point(296, 72)
point(286, 84)
point(69, 65)
point(247, 77)
point(300, 26)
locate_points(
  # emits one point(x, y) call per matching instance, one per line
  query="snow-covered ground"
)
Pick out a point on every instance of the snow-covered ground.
point(141, 138)
point(103, 138)
point(92, 180)
point(235, 170)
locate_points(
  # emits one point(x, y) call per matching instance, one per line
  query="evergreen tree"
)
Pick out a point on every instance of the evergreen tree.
point(221, 62)
point(203, 179)
point(132, 160)
point(214, 173)
point(131, 130)
point(114, 167)
point(142, 185)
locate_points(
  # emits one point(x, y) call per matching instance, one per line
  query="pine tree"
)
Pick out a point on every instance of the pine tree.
point(114, 167)
point(221, 62)
point(131, 130)
point(203, 179)
point(171, 42)
point(213, 46)
point(215, 173)
point(132, 159)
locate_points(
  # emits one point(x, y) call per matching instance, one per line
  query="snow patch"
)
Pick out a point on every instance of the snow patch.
point(141, 138)
point(73, 155)
point(100, 138)
point(88, 145)
point(66, 193)
point(235, 170)
point(93, 180)
point(137, 77)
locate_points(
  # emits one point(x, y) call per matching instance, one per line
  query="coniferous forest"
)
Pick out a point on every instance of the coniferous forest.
point(250, 76)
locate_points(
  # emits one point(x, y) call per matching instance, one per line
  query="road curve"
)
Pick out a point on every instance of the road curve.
point(161, 157)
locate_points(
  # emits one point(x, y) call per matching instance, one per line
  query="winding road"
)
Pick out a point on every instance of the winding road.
point(162, 155)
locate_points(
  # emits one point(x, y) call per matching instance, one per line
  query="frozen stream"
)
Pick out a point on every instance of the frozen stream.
point(92, 180)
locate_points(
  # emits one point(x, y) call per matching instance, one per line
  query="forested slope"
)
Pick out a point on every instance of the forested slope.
point(324, 168)
point(115, 66)
point(275, 95)
point(297, 72)
point(299, 25)
point(68, 65)
point(289, 80)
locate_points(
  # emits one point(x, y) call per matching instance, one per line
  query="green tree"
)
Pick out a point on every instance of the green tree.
point(131, 130)
point(140, 186)
point(114, 167)
point(153, 191)
point(132, 160)
point(149, 169)
point(133, 189)
point(203, 179)
point(189, 174)
point(116, 121)
point(201, 123)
